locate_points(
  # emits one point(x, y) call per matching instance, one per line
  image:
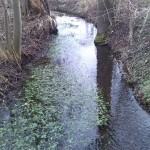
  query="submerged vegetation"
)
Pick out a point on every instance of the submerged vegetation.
point(52, 110)
point(53, 107)
point(103, 111)
point(39, 117)
point(35, 124)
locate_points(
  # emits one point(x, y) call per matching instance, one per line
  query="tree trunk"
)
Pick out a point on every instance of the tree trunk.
point(6, 24)
point(24, 8)
point(17, 29)
point(105, 12)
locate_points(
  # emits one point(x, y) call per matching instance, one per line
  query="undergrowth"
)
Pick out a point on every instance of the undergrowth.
point(130, 36)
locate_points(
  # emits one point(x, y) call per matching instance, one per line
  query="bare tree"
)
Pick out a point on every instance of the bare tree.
point(104, 15)
point(12, 50)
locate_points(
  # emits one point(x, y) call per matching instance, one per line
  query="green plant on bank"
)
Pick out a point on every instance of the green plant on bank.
point(38, 113)
point(103, 112)
point(100, 39)
point(145, 87)
point(35, 120)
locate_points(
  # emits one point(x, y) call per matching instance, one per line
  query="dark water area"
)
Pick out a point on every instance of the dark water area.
point(129, 125)
point(69, 86)
point(104, 70)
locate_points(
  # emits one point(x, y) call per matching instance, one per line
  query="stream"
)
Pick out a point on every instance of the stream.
point(69, 87)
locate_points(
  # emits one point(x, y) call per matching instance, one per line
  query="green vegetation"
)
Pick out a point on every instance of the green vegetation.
point(145, 88)
point(100, 39)
point(49, 109)
point(36, 124)
point(103, 111)
point(52, 103)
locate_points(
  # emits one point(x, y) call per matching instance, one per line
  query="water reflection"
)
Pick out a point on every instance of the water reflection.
point(129, 124)
point(68, 87)
point(64, 93)
point(104, 70)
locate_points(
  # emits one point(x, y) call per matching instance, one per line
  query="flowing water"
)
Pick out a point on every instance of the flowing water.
point(69, 84)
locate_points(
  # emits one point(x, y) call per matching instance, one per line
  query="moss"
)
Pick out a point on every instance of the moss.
point(100, 39)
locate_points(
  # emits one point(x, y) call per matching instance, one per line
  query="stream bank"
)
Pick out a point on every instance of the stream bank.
point(129, 40)
point(86, 8)
point(34, 38)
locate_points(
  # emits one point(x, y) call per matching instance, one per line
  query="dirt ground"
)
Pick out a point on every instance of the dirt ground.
point(129, 40)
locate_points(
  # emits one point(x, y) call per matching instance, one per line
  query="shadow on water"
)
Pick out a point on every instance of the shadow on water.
point(104, 70)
